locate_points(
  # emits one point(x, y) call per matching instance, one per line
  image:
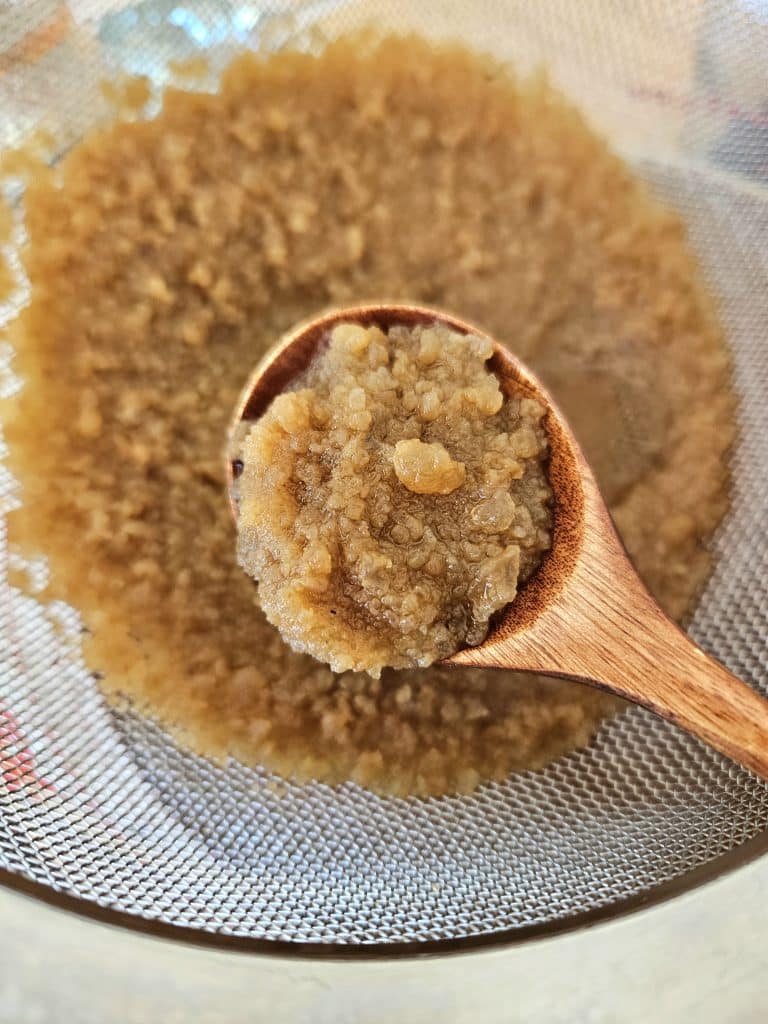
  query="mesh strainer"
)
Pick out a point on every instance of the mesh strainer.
point(100, 806)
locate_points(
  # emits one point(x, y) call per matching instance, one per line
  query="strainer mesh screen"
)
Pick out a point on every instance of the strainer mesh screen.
point(101, 805)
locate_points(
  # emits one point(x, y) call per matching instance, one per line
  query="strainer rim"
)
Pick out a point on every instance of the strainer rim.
point(505, 939)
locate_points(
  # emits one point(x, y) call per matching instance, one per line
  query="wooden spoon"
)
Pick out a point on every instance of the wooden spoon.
point(585, 614)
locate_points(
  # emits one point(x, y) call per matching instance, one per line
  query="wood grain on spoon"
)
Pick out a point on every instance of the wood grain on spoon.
point(585, 614)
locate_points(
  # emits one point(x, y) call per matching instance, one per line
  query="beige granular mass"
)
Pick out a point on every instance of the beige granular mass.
point(127, 94)
point(393, 499)
point(6, 221)
point(190, 68)
point(168, 255)
point(31, 159)
point(7, 279)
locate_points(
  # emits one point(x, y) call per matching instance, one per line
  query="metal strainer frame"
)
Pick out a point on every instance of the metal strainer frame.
point(662, 811)
point(505, 939)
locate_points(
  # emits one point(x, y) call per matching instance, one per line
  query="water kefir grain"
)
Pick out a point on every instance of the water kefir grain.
point(167, 256)
point(393, 499)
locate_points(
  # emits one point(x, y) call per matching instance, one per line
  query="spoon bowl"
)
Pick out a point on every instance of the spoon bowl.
point(584, 614)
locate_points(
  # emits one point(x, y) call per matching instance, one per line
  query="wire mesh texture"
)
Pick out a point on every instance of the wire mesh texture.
point(100, 804)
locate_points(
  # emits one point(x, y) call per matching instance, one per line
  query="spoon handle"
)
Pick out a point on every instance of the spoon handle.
point(605, 629)
point(638, 653)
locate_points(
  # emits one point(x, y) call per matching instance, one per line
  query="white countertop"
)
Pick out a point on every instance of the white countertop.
point(700, 958)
